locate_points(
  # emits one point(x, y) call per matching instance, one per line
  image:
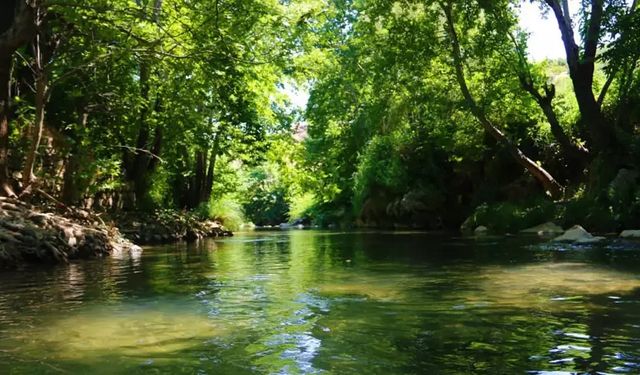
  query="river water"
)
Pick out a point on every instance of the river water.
point(307, 302)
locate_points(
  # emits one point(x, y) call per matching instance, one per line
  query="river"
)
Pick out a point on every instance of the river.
point(307, 302)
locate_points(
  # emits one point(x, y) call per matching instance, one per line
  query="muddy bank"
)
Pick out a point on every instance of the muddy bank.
point(54, 235)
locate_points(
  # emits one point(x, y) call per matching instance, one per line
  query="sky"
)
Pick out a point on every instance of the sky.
point(544, 37)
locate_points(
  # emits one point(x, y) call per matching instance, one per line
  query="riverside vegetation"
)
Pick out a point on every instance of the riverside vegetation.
point(424, 114)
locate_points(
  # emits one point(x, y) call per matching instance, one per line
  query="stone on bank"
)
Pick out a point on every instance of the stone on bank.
point(578, 234)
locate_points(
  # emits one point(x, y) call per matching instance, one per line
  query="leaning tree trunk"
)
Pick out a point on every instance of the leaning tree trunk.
point(573, 151)
point(539, 173)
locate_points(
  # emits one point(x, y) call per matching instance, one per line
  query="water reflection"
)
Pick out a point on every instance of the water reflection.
point(345, 303)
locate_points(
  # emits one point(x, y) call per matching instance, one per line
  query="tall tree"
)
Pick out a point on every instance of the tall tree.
point(539, 173)
point(581, 60)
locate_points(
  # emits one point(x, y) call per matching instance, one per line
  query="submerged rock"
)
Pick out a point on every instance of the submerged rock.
point(545, 229)
point(630, 233)
point(578, 234)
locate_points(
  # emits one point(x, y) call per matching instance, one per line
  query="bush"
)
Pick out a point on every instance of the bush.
point(509, 217)
point(301, 206)
point(226, 210)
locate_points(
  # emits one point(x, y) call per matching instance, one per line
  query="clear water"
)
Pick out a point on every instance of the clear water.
point(336, 303)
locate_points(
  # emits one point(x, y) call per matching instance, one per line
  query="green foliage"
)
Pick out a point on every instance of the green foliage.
point(185, 106)
point(301, 206)
point(380, 167)
point(265, 203)
point(226, 210)
point(509, 217)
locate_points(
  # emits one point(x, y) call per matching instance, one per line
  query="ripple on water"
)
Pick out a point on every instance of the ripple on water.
point(274, 305)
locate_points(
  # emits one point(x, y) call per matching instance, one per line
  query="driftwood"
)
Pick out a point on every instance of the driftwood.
point(29, 235)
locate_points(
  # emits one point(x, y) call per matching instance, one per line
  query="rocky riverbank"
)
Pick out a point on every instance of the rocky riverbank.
point(54, 235)
point(166, 226)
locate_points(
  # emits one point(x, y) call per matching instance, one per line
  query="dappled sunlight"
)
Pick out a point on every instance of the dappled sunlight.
point(307, 302)
point(549, 284)
point(390, 288)
point(139, 332)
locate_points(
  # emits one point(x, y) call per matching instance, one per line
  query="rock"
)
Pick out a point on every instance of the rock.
point(29, 235)
point(249, 226)
point(624, 184)
point(577, 234)
point(629, 233)
point(467, 226)
point(545, 229)
point(481, 230)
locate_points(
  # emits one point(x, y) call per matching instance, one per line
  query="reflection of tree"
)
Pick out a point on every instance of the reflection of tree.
point(341, 302)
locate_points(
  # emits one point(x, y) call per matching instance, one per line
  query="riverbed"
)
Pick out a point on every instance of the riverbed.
point(307, 302)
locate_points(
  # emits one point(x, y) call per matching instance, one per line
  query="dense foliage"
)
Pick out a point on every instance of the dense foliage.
point(419, 111)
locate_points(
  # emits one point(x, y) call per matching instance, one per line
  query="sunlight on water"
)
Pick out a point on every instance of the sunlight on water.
point(146, 332)
point(335, 303)
point(390, 288)
point(550, 284)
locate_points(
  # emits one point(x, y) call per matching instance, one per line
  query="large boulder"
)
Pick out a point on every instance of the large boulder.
point(629, 233)
point(578, 234)
point(546, 229)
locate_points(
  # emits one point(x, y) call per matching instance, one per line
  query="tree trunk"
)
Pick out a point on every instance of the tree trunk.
point(199, 178)
point(71, 191)
point(136, 161)
point(16, 29)
point(581, 69)
point(539, 173)
point(5, 97)
point(210, 173)
point(573, 151)
point(42, 90)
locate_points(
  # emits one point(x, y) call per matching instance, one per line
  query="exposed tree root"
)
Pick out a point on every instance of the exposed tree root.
point(27, 234)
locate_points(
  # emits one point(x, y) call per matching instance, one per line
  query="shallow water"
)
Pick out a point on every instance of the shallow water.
point(325, 302)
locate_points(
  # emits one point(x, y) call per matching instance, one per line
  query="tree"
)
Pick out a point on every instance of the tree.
point(581, 60)
point(544, 177)
point(16, 29)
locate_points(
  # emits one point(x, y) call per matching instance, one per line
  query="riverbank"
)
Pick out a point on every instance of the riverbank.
point(32, 234)
point(166, 226)
point(56, 234)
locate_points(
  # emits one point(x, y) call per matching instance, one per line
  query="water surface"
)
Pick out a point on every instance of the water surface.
point(304, 302)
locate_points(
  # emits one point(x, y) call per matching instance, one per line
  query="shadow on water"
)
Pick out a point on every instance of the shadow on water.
point(330, 302)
